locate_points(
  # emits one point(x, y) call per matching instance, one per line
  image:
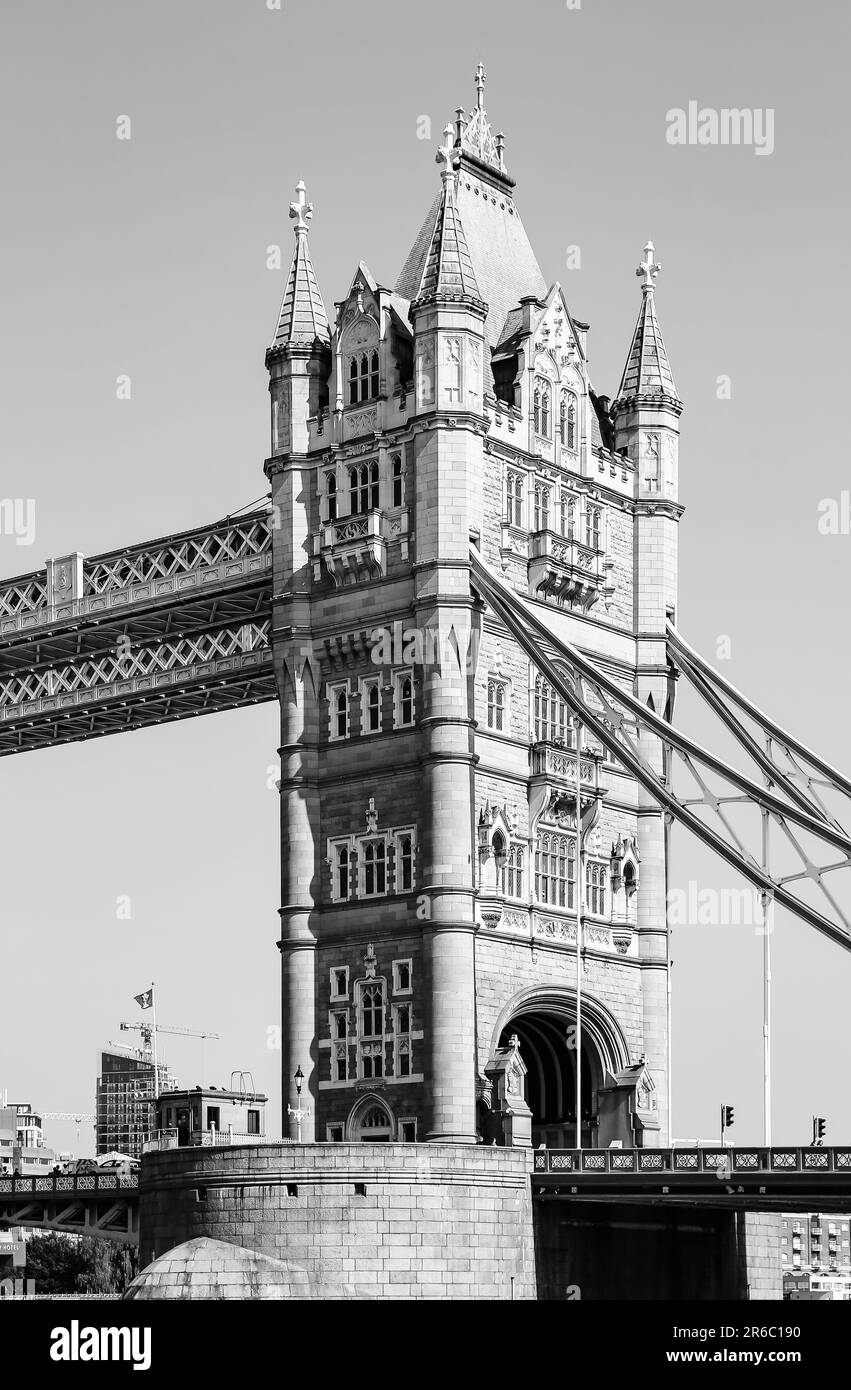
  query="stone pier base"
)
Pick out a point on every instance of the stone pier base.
point(384, 1221)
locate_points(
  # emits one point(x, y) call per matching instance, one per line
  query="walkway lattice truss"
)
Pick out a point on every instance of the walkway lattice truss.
point(156, 632)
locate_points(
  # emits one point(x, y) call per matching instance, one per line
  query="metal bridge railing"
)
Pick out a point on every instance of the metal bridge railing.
point(593, 1162)
point(63, 1184)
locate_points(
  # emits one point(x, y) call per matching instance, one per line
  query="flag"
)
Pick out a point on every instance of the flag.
point(146, 1000)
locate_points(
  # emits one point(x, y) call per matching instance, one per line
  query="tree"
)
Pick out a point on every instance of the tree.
point(78, 1264)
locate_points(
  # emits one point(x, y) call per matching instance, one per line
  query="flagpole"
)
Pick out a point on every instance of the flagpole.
point(156, 1069)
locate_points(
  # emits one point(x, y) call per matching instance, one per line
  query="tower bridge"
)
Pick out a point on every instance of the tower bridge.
point(475, 829)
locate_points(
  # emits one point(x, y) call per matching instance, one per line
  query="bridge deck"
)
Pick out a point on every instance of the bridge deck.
point(794, 1179)
point(156, 632)
point(92, 1204)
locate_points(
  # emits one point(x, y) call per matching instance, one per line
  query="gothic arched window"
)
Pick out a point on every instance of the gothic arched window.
point(341, 870)
point(512, 874)
point(496, 705)
point(593, 517)
point(541, 400)
point(373, 707)
point(398, 482)
point(341, 713)
point(567, 514)
point(514, 499)
point(372, 1011)
point(551, 716)
point(363, 489)
point(404, 865)
point(595, 888)
point(331, 496)
point(555, 869)
point(374, 869)
point(363, 376)
point(404, 710)
point(567, 420)
point(542, 507)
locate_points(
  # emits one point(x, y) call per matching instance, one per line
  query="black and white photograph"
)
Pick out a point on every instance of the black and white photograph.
point(425, 527)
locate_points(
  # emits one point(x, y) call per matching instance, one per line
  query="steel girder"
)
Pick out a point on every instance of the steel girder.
point(786, 797)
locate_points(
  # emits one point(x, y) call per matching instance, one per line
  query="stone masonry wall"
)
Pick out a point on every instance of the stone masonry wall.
point(384, 1221)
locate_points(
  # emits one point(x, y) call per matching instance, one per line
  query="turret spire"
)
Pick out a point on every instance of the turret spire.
point(647, 370)
point(302, 318)
point(448, 269)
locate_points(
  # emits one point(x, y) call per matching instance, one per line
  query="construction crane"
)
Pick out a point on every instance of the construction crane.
point(76, 1116)
point(66, 1115)
point(147, 1031)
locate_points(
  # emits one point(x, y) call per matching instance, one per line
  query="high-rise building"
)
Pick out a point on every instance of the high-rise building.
point(435, 847)
point(816, 1255)
point(124, 1098)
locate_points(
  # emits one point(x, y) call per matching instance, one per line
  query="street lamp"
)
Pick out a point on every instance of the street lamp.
point(301, 1112)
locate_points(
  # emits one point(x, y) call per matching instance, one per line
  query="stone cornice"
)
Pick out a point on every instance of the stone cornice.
point(658, 507)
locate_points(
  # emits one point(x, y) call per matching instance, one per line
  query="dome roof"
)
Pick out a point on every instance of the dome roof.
point(206, 1268)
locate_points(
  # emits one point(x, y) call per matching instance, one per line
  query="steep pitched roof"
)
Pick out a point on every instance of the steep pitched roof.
point(302, 318)
point(647, 367)
point(447, 268)
point(503, 262)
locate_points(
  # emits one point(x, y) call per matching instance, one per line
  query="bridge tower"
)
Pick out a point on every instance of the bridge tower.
point(646, 417)
point(429, 815)
point(298, 361)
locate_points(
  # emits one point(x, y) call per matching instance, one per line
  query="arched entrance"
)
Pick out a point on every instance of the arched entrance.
point(370, 1122)
point(544, 1022)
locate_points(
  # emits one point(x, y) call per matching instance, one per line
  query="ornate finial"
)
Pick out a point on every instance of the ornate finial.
point(446, 152)
point(480, 86)
point(369, 962)
point(649, 267)
point(371, 817)
point(301, 209)
point(473, 134)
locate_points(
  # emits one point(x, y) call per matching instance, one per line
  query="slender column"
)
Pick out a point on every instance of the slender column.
point(580, 904)
point(299, 821)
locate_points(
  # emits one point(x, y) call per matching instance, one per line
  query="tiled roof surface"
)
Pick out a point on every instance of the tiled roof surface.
point(647, 367)
point(214, 1269)
point(302, 318)
point(503, 260)
point(448, 269)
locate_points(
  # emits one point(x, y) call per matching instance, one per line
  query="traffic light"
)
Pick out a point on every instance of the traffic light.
point(727, 1114)
point(819, 1129)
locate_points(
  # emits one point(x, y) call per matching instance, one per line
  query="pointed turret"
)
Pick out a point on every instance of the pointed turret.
point(646, 410)
point(299, 357)
point(448, 268)
point(647, 371)
point(302, 318)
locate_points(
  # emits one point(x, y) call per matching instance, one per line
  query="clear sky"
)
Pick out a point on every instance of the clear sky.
point(148, 257)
